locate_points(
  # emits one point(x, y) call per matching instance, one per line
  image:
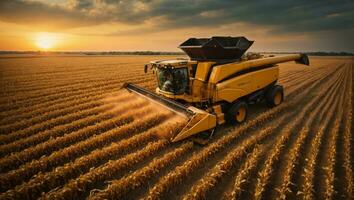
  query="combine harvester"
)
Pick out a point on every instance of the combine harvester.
point(216, 84)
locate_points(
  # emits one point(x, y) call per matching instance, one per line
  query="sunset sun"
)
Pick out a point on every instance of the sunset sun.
point(45, 41)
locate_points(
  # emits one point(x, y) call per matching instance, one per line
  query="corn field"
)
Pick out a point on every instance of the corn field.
point(67, 131)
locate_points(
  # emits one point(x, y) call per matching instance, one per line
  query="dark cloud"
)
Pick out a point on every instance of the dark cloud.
point(46, 16)
point(287, 14)
point(283, 16)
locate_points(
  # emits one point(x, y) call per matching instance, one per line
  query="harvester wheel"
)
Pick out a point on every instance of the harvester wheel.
point(275, 96)
point(237, 113)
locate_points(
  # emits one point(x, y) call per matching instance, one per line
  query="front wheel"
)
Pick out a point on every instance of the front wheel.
point(237, 113)
point(275, 96)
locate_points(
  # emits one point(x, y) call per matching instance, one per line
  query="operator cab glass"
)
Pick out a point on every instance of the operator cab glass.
point(173, 80)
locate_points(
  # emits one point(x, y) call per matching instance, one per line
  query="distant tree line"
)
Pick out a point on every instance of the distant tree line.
point(315, 53)
point(94, 52)
point(319, 53)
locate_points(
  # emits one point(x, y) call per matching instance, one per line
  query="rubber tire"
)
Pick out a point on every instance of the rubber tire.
point(271, 93)
point(231, 113)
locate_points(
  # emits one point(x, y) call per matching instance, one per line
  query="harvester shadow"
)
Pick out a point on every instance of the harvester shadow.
point(253, 111)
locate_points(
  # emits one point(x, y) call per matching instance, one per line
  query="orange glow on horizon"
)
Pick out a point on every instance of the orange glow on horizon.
point(46, 41)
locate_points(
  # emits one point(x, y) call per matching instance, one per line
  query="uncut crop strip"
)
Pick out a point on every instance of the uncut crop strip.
point(33, 139)
point(47, 107)
point(79, 114)
point(87, 181)
point(43, 82)
point(55, 98)
point(47, 82)
point(265, 173)
point(65, 100)
point(294, 153)
point(55, 107)
point(118, 188)
point(79, 149)
point(243, 173)
point(77, 74)
point(45, 182)
point(36, 88)
point(180, 172)
point(52, 110)
point(91, 83)
point(32, 87)
point(74, 92)
point(23, 96)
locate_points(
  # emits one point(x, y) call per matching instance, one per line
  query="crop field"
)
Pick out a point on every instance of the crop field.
point(68, 132)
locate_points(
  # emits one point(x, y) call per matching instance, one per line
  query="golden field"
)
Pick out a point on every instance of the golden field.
point(66, 131)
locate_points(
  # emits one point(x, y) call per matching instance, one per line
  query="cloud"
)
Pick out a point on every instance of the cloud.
point(45, 16)
point(280, 17)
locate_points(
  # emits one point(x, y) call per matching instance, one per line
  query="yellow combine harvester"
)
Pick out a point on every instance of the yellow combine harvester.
point(217, 83)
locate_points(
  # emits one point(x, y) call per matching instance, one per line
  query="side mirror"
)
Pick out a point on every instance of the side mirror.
point(145, 68)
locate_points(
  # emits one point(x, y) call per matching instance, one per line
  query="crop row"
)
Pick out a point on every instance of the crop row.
point(13, 105)
point(119, 188)
point(45, 82)
point(20, 125)
point(33, 86)
point(81, 148)
point(49, 146)
point(294, 153)
point(88, 180)
point(70, 97)
point(58, 131)
point(243, 173)
point(297, 75)
point(167, 182)
point(331, 150)
point(50, 180)
point(69, 87)
point(265, 173)
point(207, 182)
point(78, 114)
point(63, 74)
point(49, 107)
point(347, 147)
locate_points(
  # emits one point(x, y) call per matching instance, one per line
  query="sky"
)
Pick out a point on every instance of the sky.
point(161, 25)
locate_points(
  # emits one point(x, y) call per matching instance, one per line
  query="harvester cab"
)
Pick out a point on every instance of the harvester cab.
point(216, 84)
